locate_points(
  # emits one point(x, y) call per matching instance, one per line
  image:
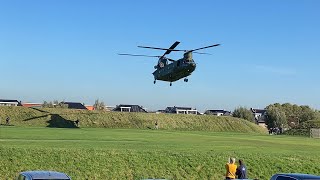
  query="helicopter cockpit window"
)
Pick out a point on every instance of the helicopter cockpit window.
point(161, 64)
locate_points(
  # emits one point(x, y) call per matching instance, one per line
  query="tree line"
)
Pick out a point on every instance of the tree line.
point(98, 105)
point(290, 116)
point(54, 104)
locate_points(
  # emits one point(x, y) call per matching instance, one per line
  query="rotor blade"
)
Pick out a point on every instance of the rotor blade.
point(202, 53)
point(138, 55)
point(160, 48)
point(168, 50)
point(204, 47)
point(174, 45)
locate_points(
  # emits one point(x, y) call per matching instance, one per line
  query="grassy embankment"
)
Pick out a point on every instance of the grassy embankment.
point(101, 153)
point(55, 117)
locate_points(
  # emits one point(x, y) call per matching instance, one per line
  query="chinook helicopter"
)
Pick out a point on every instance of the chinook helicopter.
point(175, 70)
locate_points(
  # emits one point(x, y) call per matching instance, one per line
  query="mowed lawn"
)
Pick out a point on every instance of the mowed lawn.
point(100, 153)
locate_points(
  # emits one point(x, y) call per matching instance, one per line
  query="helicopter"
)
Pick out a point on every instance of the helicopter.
point(177, 69)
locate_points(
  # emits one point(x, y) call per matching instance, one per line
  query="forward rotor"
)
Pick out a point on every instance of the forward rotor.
point(184, 50)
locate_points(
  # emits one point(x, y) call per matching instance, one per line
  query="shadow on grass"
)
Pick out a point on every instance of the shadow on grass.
point(29, 119)
point(6, 125)
point(38, 116)
point(39, 110)
point(57, 121)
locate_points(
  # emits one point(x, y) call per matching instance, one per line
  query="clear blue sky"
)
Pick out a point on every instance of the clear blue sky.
point(67, 50)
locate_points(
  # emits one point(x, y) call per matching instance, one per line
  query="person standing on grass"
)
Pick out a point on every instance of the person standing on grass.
point(156, 125)
point(8, 121)
point(241, 170)
point(231, 168)
point(77, 122)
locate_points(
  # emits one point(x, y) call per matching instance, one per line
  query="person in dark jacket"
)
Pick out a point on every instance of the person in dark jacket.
point(77, 122)
point(156, 125)
point(241, 171)
point(8, 121)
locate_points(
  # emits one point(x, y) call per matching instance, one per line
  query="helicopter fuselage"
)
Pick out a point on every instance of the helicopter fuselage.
point(176, 70)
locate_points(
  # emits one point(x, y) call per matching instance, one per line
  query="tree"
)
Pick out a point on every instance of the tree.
point(99, 105)
point(62, 105)
point(317, 114)
point(307, 114)
point(243, 113)
point(47, 104)
point(295, 114)
point(54, 104)
point(276, 117)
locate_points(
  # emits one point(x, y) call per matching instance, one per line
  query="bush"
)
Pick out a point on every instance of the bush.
point(304, 128)
point(298, 132)
point(310, 124)
point(243, 113)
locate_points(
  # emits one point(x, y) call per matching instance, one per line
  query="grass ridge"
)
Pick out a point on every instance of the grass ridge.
point(64, 118)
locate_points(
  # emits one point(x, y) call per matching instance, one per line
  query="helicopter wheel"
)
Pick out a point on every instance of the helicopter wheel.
point(170, 83)
point(154, 81)
point(185, 80)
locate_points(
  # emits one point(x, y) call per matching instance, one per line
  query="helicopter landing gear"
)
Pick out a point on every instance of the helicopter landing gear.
point(170, 83)
point(185, 80)
point(154, 81)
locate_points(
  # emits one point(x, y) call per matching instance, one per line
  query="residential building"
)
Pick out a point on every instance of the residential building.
point(89, 107)
point(110, 108)
point(218, 112)
point(260, 116)
point(181, 110)
point(9, 102)
point(129, 108)
point(32, 105)
point(74, 105)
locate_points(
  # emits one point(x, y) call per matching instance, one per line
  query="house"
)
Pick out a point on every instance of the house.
point(89, 107)
point(181, 110)
point(260, 116)
point(32, 105)
point(160, 111)
point(218, 112)
point(74, 105)
point(109, 108)
point(9, 102)
point(129, 108)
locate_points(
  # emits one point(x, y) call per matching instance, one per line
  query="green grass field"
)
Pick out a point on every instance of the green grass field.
point(104, 153)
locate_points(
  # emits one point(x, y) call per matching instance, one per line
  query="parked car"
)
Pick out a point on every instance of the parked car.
point(43, 175)
point(294, 176)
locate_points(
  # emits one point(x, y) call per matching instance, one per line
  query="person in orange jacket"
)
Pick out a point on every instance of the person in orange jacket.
point(231, 168)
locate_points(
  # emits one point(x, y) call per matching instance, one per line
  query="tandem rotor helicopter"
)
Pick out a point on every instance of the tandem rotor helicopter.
point(175, 70)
